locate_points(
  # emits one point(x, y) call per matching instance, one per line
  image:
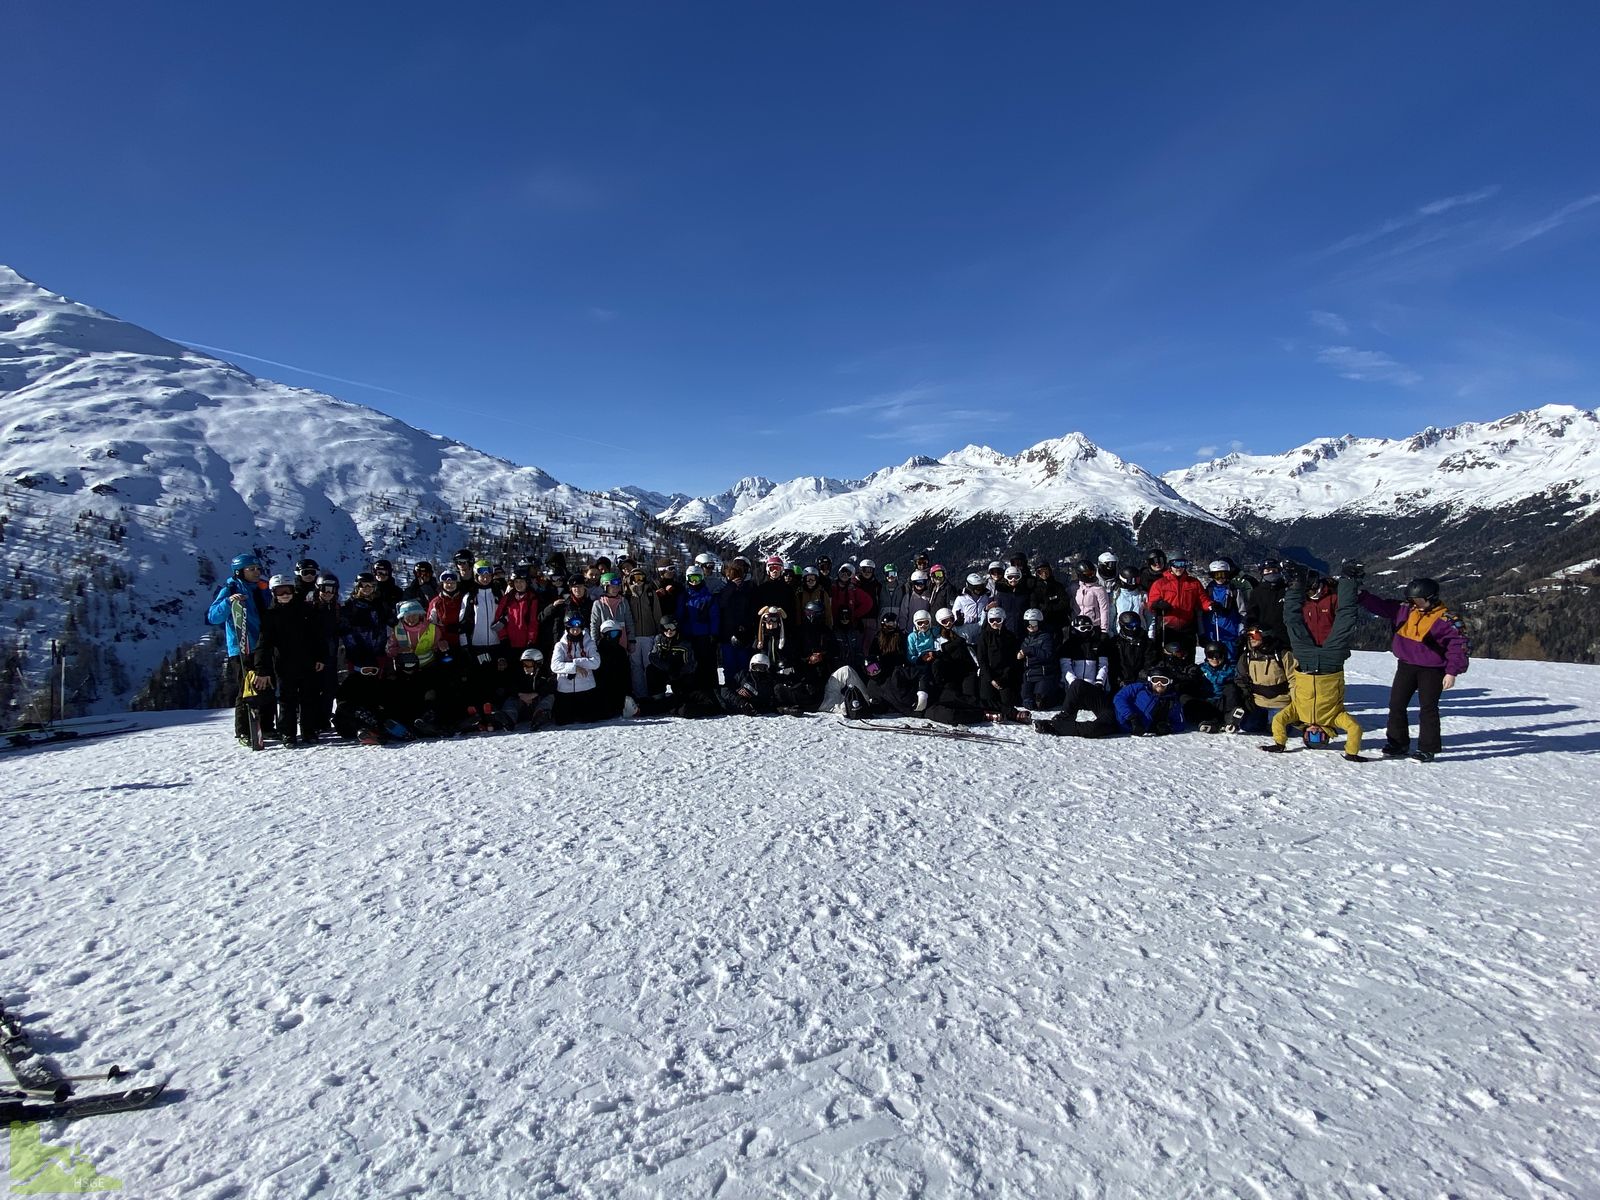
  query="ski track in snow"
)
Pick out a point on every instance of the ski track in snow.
point(778, 958)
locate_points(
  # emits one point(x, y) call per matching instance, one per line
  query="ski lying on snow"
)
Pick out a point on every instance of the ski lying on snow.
point(27, 739)
point(17, 1106)
point(958, 734)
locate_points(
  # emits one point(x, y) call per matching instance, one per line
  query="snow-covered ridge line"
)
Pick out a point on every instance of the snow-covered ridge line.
point(133, 468)
point(1552, 450)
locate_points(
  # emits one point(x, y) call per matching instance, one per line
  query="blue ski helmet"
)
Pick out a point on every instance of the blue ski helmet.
point(1315, 737)
point(241, 561)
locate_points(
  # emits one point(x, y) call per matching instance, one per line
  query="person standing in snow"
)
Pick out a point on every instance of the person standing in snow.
point(1264, 606)
point(574, 663)
point(291, 659)
point(1090, 599)
point(241, 601)
point(1175, 599)
point(644, 618)
point(1431, 648)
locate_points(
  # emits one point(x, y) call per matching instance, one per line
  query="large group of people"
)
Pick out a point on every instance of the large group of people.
point(1110, 649)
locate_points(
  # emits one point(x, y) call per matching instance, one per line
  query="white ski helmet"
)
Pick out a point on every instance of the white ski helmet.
point(919, 577)
point(943, 615)
point(1107, 559)
point(533, 654)
point(760, 660)
point(867, 562)
point(1033, 614)
point(705, 560)
point(921, 615)
point(282, 581)
point(610, 627)
point(976, 580)
point(1220, 564)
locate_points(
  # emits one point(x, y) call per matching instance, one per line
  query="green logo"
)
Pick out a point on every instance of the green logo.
point(40, 1170)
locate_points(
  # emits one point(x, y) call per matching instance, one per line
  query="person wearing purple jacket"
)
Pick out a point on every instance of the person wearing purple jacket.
point(1432, 650)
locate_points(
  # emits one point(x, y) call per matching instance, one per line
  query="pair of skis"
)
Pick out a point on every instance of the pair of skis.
point(241, 628)
point(44, 1094)
point(29, 739)
point(954, 732)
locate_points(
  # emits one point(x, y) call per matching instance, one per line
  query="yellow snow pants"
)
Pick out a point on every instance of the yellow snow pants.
point(1317, 700)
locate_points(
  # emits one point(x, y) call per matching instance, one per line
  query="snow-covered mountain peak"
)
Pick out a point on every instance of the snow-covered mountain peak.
point(132, 468)
point(1551, 450)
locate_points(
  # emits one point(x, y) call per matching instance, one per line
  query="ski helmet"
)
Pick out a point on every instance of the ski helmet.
point(306, 566)
point(994, 613)
point(775, 560)
point(1422, 589)
point(844, 570)
point(448, 576)
point(610, 579)
point(997, 565)
point(921, 617)
point(1157, 558)
point(1219, 565)
point(1083, 622)
point(669, 625)
point(610, 628)
point(383, 564)
point(695, 575)
point(1033, 616)
point(279, 583)
point(866, 563)
point(919, 577)
point(328, 579)
point(813, 608)
point(810, 573)
point(704, 560)
point(1315, 737)
point(889, 618)
point(1130, 622)
point(365, 577)
point(242, 562)
point(760, 662)
point(976, 580)
point(533, 655)
point(1216, 650)
point(936, 570)
point(408, 608)
point(1180, 563)
point(1157, 675)
point(574, 622)
point(483, 567)
point(944, 615)
point(1013, 572)
point(1271, 566)
point(1107, 559)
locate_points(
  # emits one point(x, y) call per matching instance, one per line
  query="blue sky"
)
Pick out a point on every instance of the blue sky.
point(675, 244)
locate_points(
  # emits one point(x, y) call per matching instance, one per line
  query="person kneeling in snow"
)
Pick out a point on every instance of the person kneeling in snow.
point(533, 695)
point(752, 693)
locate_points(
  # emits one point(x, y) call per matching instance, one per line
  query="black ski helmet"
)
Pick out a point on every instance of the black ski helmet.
point(1423, 589)
point(1216, 650)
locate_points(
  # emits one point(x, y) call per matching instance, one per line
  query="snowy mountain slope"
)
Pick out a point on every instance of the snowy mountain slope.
point(1060, 480)
point(132, 469)
point(931, 968)
point(1551, 452)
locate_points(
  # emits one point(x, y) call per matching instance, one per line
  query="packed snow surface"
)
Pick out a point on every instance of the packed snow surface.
point(783, 958)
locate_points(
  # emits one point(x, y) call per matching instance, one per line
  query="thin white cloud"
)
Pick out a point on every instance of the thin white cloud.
point(1367, 366)
point(272, 362)
point(1330, 322)
point(889, 406)
point(1560, 217)
point(1234, 447)
point(1416, 216)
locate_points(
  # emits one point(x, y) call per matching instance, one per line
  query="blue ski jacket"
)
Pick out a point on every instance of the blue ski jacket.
point(1138, 704)
point(257, 600)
